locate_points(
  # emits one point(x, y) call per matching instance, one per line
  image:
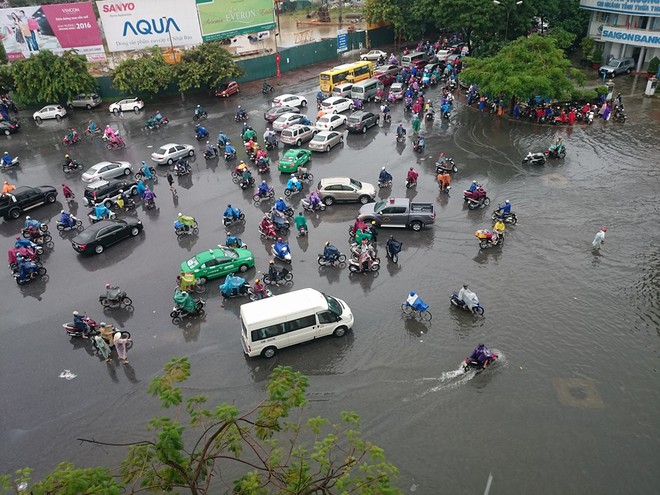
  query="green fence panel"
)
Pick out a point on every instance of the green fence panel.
point(381, 36)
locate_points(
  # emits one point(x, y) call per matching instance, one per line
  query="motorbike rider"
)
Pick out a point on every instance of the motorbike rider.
point(273, 272)
point(468, 297)
point(365, 259)
point(111, 135)
point(184, 301)
point(362, 235)
point(66, 219)
point(249, 134)
point(280, 205)
point(314, 199)
point(505, 210)
point(400, 131)
point(265, 87)
point(199, 111)
point(158, 117)
point(301, 222)
point(72, 136)
point(186, 221)
point(7, 159)
point(481, 355)
point(112, 292)
point(210, 149)
point(22, 242)
point(384, 176)
point(320, 96)
point(473, 187)
point(373, 230)
point(31, 222)
point(223, 139)
point(232, 213)
point(151, 122)
point(263, 190)
point(270, 137)
point(259, 289)
point(267, 227)
point(240, 112)
point(445, 180)
point(446, 109)
point(91, 127)
point(7, 188)
point(281, 247)
point(148, 196)
point(498, 228)
point(182, 166)
point(330, 252)
point(146, 171)
point(233, 241)
point(293, 184)
point(200, 131)
point(101, 212)
point(413, 300)
point(393, 246)
point(246, 177)
point(80, 325)
point(278, 219)
point(229, 150)
point(68, 161)
point(385, 110)
point(412, 176)
point(25, 266)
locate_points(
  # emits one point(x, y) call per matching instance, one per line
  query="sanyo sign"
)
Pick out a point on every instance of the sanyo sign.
point(133, 26)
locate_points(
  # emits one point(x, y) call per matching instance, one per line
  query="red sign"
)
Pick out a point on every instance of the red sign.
point(277, 64)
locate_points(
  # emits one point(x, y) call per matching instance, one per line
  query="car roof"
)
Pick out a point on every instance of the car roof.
point(172, 144)
point(335, 180)
point(295, 126)
point(285, 95)
point(286, 115)
point(95, 227)
point(332, 99)
point(325, 133)
point(99, 165)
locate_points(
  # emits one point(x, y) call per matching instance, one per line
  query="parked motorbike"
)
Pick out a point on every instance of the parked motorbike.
point(178, 314)
point(281, 275)
point(537, 158)
point(323, 261)
point(455, 301)
point(77, 225)
point(488, 238)
point(115, 298)
point(307, 206)
point(509, 218)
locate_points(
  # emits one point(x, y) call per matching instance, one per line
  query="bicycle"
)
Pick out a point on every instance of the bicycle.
point(408, 310)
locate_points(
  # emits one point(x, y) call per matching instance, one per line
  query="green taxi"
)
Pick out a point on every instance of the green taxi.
point(293, 159)
point(217, 262)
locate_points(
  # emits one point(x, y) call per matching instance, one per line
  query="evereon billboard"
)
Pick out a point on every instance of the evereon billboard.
point(224, 18)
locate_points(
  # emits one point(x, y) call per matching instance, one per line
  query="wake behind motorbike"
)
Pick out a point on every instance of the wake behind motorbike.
point(458, 303)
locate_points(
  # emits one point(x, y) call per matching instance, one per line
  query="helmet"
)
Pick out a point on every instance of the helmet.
point(392, 237)
point(228, 206)
point(143, 162)
point(75, 313)
point(18, 238)
point(412, 168)
point(429, 101)
point(412, 293)
point(293, 175)
point(184, 293)
point(280, 199)
point(604, 229)
point(107, 286)
point(27, 218)
point(507, 201)
point(465, 286)
point(180, 214)
point(65, 156)
point(197, 125)
point(271, 262)
point(256, 280)
point(197, 106)
point(239, 106)
point(62, 211)
point(103, 323)
point(31, 227)
point(279, 239)
point(207, 142)
point(474, 182)
point(383, 168)
point(481, 346)
point(327, 243)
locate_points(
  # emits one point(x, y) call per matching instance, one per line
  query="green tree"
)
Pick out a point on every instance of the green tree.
point(47, 78)
point(524, 68)
point(563, 39)
point(477, 20)
point(271, 448)
point(587, 47)
point(207, 65)
point(146, 75)
point(407, 17)
point(7, 82)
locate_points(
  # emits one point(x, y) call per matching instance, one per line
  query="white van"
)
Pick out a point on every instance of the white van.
point(366, 90)
point(412, 58)
point(292, 318)
point(343, 90)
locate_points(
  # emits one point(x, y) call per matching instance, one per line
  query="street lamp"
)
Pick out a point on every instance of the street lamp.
point(508, 11)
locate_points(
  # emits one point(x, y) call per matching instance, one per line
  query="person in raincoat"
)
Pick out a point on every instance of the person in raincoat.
point(101, 212)
point(184, 301)
point(599, 239)
point(361, 235)
point(103, 347)
point(121, 345)
point(186, 221)
point(231, 285)
point(416, 302)
point(416, 123)
point(301, 222)
point(140, 187)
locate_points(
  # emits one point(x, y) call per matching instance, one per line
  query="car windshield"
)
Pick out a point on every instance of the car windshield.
point(224, 86)
point(192, 262)
point(333, 304)
point(379, 205)
point(356, 183)
point(230, 253)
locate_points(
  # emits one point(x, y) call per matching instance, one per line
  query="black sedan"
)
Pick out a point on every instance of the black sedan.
point(272, 114)
point(9, 127)
point(97, 237)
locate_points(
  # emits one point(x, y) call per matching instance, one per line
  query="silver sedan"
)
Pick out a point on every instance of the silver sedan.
point(169, 153)
point(325, 140)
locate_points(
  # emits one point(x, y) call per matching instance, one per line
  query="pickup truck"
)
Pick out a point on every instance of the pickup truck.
point(24, 198)
point(398, 212)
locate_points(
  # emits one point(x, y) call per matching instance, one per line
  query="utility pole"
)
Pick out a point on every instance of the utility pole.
point(508, 12)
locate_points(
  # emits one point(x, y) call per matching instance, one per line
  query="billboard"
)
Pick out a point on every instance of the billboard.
point(224, 18)
point(144, 23)
point(58, 27)
point(632, 7)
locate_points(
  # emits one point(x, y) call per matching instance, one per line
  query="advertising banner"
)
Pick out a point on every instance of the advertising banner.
point(59, 27)
point(632, 7)
point(144, 23)
point(637, 37)
point(224, 18)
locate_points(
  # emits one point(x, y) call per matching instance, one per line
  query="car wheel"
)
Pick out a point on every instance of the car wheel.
point(38, 120)
point(298, 143)
point(107, 203)
point(191, 153)
point(70, 106)
point(98, 249)
point(364, 200)
point(628, 71)
point(136, 109)
point(303, 103)
point(127, 171)
point(133, 191)
point(416, 226)
point(14, 213)
point(364, 130)
point(334, 112)
point(7, 133)
point(341, 140)
point(339, 332)
point(243, 268)
point(115, 111)
point(88, 106)
point(328, 200)
point(135, 231)
point(58, 117)
point(268, 352)
point(50, 198)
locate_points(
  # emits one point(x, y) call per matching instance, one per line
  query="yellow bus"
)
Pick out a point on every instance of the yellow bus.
point(351, 73)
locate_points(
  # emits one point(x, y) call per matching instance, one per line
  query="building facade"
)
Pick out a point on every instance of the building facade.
point(626, 28)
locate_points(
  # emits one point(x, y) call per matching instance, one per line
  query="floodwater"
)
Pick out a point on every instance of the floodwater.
point(571, 407)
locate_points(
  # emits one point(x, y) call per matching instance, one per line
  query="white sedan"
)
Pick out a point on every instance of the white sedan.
point(106, 170)
point(287, 120)
point(330, 122)
point(325, 140)
point(127, 105)
point(290, 101)
point(170, 152)
point(373, 55)
point(336, 104)
point(49, 112)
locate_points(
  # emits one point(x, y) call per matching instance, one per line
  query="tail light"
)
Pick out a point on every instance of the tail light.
point(433, 216)
point(82, 246)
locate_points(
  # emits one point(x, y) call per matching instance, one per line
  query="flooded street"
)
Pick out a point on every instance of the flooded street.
point(570, 407)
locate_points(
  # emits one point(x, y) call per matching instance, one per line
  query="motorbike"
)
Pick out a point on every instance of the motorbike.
point(430, 116)
point(34, 270)
point(323, 261)
point(263, 167)
point(292, 192)
point(234, 242)
point(355, 266)
point(407, 107)
point(419, 146)
point(139, 175)
point(281, 275)
point(400, 138)
point(93, 218)
point(488, 238)
point(283, 255)
point(508, 218)
point(455, 301)
point(445, 164)
point(271, 145)
point(473, 364)
point(589, 117)
point(227, 221)
point(43, 228)
point(115, 145)
point(384, 184)
point(619, 115)
point(270, 234)
point(178, 314)
point(72, 331)
point(182, 169)
point(257, 297)
point(305, 176)
point(182, 230)
point(392, 250)
point(68, 142)
point(280, 225)
point(201, 135)
point(235, 286)
point(28, 253)
point(410, 183)
point(537, 158)
point(387, 118)
point(241, 118)
point(149, 204)
point(14, 163)
point(245, 184)
point(266, 88)
point(307, 206)
point(115, 298)
point(477, 199)
point(357, 104)
point(152, 124)
point(557, 152)
point(230, 155)
point(76, 225)
point(213, 154)
point(72, 167)
point(257, 198)
point(200, 116)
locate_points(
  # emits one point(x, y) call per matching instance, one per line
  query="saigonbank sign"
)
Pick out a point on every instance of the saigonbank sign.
point(143, 23)
point(632, 7)
point(630, 36)
point(225, 18)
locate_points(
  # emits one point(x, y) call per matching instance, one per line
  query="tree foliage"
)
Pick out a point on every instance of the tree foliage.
point(7, 81)
point(207, 65)
point(407, 17)
point(524, 68)
point(47, 78)
point(146, 75)
point(270, 448)
point(563, 39)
